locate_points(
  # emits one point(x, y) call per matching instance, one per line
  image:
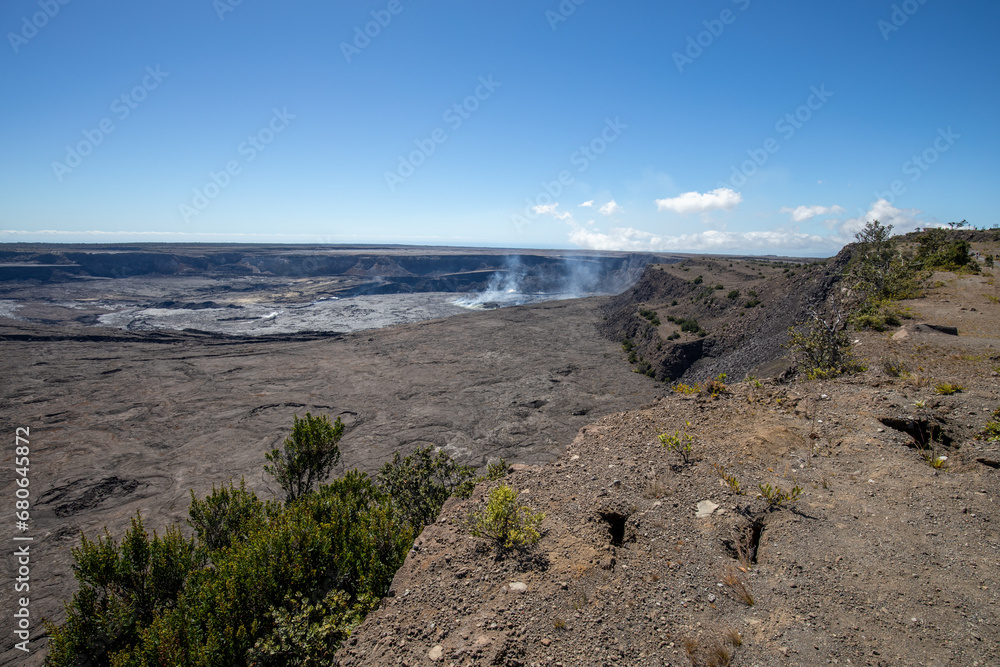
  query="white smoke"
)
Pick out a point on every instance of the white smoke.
point(518, 284)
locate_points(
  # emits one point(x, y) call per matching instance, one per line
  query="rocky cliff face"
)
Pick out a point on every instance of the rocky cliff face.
point(742, 309)
point(375, 271)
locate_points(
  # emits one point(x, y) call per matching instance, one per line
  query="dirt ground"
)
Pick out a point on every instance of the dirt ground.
point(884, 559)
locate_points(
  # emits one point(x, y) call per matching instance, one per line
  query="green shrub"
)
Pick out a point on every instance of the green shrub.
point(304, 634)
point(226, 516)
point(505, 524)
point(123, 586)
point(422, 481)
point(281, 584)
point(307, 456)
point(947, 388)
point(690, 325)
point(991, 431)
point(347, 536)
point(733, 294)
point(822, 348)
point(940, 250)
point(651, 316)
point(497, 471)
point(776, 496)
point(682, 443)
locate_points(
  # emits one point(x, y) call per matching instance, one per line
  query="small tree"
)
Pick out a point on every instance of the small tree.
point(308, 455)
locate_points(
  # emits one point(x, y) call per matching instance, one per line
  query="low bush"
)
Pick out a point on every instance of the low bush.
point(822, 348)
point(682, 443)
point(505, 524)
point(776, 496)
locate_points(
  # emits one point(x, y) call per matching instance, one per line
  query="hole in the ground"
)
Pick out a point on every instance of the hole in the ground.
point(989, 463)
point(923, 431)
point(616, 526)
point(744, 541)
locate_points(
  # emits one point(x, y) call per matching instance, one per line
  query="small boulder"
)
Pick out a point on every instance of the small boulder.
point(706, 508)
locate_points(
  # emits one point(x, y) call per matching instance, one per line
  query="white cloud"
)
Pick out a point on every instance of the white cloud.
point(696, 202)
point(610, 208)
point(628, 238)
point(903, 220)
point(551, 209)
point(803, 213)
point(588, 204)
point(788, 240)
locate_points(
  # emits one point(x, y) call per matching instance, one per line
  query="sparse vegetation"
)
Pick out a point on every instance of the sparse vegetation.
point(497, 471)
point(991, 431)
point(730, 480)
point(938, 250)
point(738, 585)
point(651, 316)
point(679, 442)
point(776, 496)
point(504, 523)
point(716, 387)
point(894, 367)
point(947, 388)
point(877, 276)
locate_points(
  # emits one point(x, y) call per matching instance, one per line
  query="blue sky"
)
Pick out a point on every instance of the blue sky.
point(724, 126)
